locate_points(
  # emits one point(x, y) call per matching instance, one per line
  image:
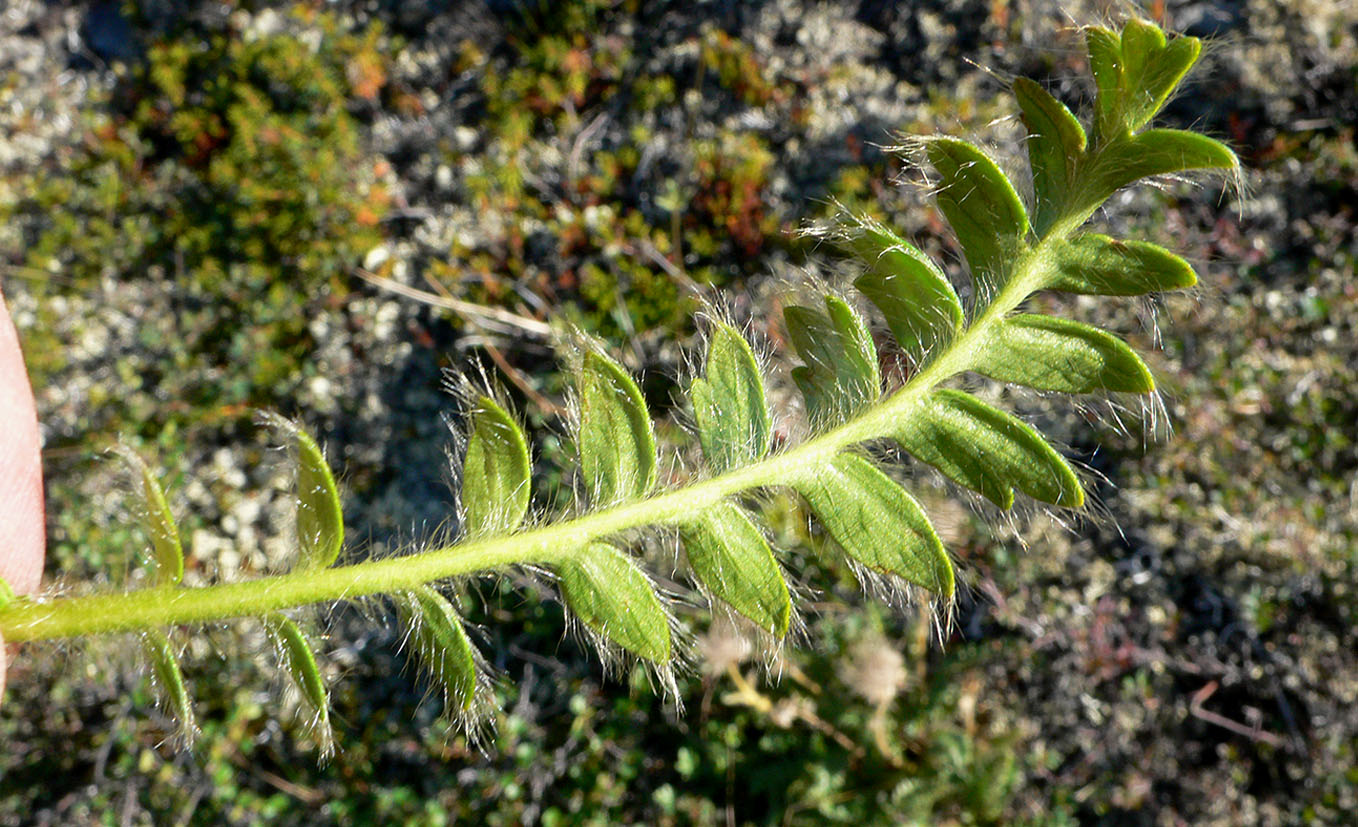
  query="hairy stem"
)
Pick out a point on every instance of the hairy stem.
point(151, 608)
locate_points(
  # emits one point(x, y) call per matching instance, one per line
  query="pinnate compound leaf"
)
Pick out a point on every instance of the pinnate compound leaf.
point(877, 523)
point(495, 472)
point(169, 679)
point(617, 443)
point(841, 375)
point(167, 553)
point(441, 644)
point(733, 561)
point(611, 595)
point(320, 521)
point(988, 451)
point(1094, 264)
point(1056, 142)
point(729, 404)
point(296, 657)
point(914, 295)
point(1050, 354)
point(981, 206)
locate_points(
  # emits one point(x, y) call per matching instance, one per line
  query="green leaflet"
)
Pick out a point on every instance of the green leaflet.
point(169, 679)
point(988, 451)
point(981, 206)
point(610, 595)
point(1095, 264)
point(320, 522)
point(1136, 72)
point(617, 445)
point(441, 644)
point(1105, 59)
point(1056, 142)
point(1155, 152)
point(877, 523)
point(495, 472)
point(295, 652)
point(919, 303)
point(728, 403)
point(167, 554)
point(841, 375)
point(733, 561)
point(6, 593)
point(1053, 354)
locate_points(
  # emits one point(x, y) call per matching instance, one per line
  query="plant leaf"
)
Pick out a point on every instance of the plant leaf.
point(1056, 142)
point(1152, 68)
point(495, 472)
point(841, 375)
point(988, 451)
point(610, 595)
point(1153, 152)
point(1157, 152)
point(169, 679)
point(617, 444)
point(441, 644)
point(729, 404)
point(1053, 354)
point(1105, 59)
point(918, 301)
point(1136, 71)
point(981, 205)
point(320, 521)
point(296, 656)
point(167, 553)
point(733, 561)
point(1095, 264)
point(877, 523)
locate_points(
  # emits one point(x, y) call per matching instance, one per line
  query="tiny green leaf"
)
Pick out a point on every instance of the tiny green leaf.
point(1095, 264)
point(6, 593)
point(495, 472)
point(616, 441)
point(1053, 354)
point(1136, 72)
point(610, 595)
point(441, 644)
point(169, 679)
point(729, 404)
point(1056, 142)
point(295, 652)
point(988, 451)
point(167, 554)
point(1152, 69)
point(841, 374)
point(1105, 61)
point(918, 301)
point(1158, 152)
point(877, 523)
point(1153, 152)
point(320, 522)
point(981, 205)
point(733, 561)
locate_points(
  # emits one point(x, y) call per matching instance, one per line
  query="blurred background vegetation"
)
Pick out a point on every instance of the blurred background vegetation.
point(199, 205)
